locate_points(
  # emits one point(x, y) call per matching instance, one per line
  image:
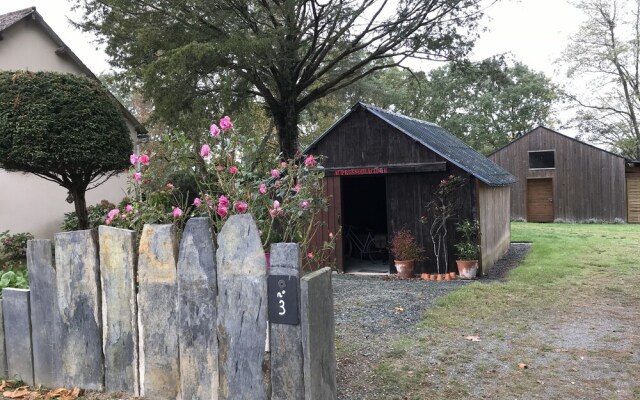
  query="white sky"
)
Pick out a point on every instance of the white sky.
point(534, 31)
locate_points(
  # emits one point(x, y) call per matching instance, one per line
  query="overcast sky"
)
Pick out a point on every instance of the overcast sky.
point(534, 31)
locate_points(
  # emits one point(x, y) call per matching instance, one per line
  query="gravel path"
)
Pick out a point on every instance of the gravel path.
point(371, 312)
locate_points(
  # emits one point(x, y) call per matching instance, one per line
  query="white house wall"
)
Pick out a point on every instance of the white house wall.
point(29, 203)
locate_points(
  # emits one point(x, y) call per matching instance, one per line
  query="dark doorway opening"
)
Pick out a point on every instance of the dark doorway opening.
point(364, 213)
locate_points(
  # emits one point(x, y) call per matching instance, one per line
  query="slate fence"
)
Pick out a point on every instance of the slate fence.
point(171, 321)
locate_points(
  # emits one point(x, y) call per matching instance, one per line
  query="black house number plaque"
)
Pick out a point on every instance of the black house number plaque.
point(282, 292)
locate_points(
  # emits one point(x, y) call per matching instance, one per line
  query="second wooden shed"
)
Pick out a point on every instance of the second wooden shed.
point(563, 179)
point(382, 169)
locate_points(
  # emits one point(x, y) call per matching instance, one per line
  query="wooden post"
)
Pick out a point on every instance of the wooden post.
point(158, 313)
point(318, 335)
point(197, 292)
point(119, 309)
point(242, 310)
point(3, 354)
point(78, 280)
point(287, 381)
point(45, 316)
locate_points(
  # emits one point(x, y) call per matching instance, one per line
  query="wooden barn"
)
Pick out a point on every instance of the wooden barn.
point(382, 169)
point(563, 179)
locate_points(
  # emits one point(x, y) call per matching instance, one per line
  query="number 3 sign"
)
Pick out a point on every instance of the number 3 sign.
point(283, 299)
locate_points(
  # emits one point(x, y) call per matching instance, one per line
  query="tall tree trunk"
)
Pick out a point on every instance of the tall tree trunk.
point(286, 120)
point(80, 204)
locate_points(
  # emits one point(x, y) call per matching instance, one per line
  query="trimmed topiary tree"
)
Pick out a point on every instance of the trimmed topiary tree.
point(64, 128)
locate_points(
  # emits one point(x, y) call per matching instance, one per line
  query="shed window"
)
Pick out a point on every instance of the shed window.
point(542, 159)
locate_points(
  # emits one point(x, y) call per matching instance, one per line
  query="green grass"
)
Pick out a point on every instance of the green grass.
point(570, 267)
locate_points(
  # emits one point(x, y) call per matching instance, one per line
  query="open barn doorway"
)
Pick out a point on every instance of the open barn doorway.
point(364, 213)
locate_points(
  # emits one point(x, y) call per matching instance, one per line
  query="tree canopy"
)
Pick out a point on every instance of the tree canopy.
point(486, 103)
point(64, 128)
point(193, 57)
point(605, 53)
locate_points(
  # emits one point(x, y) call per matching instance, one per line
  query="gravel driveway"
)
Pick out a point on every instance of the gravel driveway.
point(371, 312)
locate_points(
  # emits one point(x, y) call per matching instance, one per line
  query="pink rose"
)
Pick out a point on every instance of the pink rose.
point(233, 170)
point(275, 173)
point(277, 185)
point(310, 255)
point(310, 162)
point(263, 188)
point(304, 204)
point(283, 164)
point(144, 159)
point(112, 213)
point(225, 123)
point(240, 207)
point(222, 211)
point(128, 208)
point(197, 202)
point(276, 210)
point(219, 168)
point(214, 130)
point(177, 212)
point(133, 158)
point(296, 188)
point(137, 176)
point(205, 151)
point(169, 185)
point(223, 201)
point(108, 221)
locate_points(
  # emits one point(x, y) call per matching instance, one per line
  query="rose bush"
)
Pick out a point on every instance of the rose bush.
point(284, 200)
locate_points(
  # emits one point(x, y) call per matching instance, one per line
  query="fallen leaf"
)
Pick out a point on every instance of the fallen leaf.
point(540, 382)
point(18, 393)
point(473, 338)
point(399, 309)
point(522, 366)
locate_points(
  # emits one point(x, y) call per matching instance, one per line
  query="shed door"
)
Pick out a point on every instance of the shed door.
point(540, 200)
point(330, 222)
point(633, 199)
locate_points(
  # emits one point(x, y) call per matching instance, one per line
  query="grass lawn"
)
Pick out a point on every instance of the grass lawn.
point(565, 324)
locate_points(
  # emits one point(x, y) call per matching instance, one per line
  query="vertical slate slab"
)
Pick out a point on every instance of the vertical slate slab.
point(78, 280)
point(45, 316)
point(3, 354)
point(158, 313)
point(318, 332)
point(242, 310)
point(197, 291)
point(287, 380)
point(15, 304)
point(119, 309)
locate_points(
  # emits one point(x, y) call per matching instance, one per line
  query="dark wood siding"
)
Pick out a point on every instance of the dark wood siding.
point(362, 139)
point(330, 224)
point(587, 182)
point(633, 195)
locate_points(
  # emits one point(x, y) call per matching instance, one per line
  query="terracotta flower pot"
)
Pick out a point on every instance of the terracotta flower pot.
point(452, 275)
point(433, 277)
point(439, 278)
point(447, 277)
point(467, 268)
point(425, 276)
point(405, 268)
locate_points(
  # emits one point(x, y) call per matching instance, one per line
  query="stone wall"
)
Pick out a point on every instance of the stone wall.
point(171, 320)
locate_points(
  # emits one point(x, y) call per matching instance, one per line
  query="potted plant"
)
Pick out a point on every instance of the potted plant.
point(467, 248)
point(406, 251)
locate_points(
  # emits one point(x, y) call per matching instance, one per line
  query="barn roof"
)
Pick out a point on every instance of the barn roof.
point(8, 19)
point(441, 142)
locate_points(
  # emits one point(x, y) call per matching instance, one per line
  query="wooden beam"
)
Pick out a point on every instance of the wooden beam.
point(387, 169)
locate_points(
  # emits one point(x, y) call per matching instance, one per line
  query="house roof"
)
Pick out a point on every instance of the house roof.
point(557, 133)
point(440, 142)
point(9, 19)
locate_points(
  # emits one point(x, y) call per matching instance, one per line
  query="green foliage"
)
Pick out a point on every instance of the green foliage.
point(14, 278)
point(467, 247)
point(194, 61)
point(486, 104)
point(13, 250)
point(62, 127)
point(97, 214)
